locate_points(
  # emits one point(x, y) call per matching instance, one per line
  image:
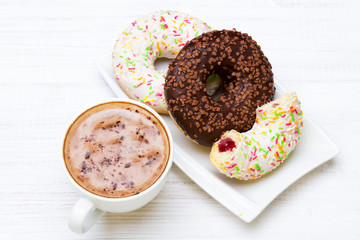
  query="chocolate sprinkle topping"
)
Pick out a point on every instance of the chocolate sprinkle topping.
point(247, 82)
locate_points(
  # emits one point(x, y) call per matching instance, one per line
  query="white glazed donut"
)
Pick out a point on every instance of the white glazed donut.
point(263, 148)
point(161, 34)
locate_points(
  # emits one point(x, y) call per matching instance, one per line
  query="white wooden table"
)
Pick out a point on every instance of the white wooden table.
point(47, 74)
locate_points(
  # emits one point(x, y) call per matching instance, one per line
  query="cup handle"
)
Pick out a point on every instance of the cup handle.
point(84, 215)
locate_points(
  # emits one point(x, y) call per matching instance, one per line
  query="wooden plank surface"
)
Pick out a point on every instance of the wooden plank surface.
point(48, 73)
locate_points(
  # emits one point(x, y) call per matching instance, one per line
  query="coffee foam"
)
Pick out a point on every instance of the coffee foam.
point(116, 149)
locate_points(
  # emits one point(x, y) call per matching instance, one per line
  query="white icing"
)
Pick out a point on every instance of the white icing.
point(260, 150)
point(161, 34)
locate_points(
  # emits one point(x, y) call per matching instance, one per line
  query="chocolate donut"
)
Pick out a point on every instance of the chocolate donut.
point(247, 82)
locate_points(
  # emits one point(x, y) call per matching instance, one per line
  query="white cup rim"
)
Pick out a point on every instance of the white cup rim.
point(142, 193)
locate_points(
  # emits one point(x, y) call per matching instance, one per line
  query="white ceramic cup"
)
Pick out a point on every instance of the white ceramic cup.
point(90, 207)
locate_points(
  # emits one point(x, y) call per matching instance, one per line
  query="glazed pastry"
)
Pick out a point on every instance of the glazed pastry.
point(263, 148)
point(246, 83)
point(157, 35)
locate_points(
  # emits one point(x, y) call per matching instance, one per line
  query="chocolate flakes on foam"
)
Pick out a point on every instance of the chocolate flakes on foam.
point(246, 77)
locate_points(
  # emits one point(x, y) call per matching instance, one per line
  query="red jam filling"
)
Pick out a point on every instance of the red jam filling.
point(226, 144)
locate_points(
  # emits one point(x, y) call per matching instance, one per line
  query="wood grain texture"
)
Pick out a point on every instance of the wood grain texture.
point(47, 75)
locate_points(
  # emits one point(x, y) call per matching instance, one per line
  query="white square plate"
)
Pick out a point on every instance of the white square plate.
point(245, 199)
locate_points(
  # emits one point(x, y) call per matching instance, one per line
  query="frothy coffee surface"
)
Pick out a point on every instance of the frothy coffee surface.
point(116, 150)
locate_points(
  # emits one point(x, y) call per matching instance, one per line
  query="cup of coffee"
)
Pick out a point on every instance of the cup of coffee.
point(118, 155)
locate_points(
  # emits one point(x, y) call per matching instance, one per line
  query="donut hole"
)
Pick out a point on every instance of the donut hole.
point(214, 86)
point(162, 64)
